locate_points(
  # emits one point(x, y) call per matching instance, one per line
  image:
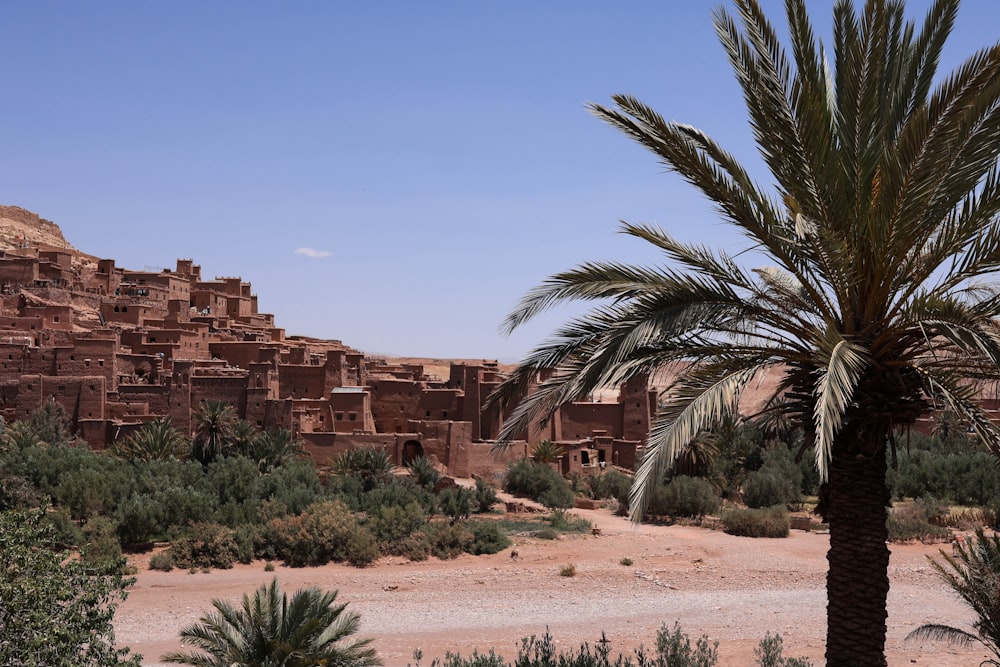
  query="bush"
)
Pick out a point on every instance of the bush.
point(768, 522)
point(448, 541)
point(913, 522)
point(769, 654)
point(162, 561)
point(486, 496)
point(673, 648)
point(569, 523)
point(539, 482)
point(765, 489)
point(487, 538)
point(546, 534)
point(568, 570)
point(424, 473)
point(416, 547)
point(206, 545)
point(610, 484)
point(456, 503)
point(315, 537)
point(684, 497)
point(361, 548)
point(100, 543)
point(625, 561)
point(392, 523)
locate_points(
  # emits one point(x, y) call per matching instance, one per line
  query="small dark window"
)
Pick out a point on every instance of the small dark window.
point(352, 416)
point(427, 414)
point(444, 414)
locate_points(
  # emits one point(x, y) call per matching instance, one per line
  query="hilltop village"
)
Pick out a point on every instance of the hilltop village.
point(117, 347)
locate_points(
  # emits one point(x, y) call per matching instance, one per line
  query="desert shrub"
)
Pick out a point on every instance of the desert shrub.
point(964, 477)
point(162, 561)
point(625, 561)
point(247, 536)
point(684, 497)
point(100, 544)
point(399, 492)
point(448, 540)
point(362, 548)
point(393, 523)
point(349, 489)
point(233, 478)
point(567, 570)
point(769, 654)
point(64, 531)
point(912, 521)
point(565, 522)
point(269, 566)
point(546, 534)
point(673, 647)
point(315, 537)
point(610, 484)
point(17, 493)
point(206, 545)
point(141, 518)
point(373, 465)
point(765, 489)
point(539, 482)
point(487, 538)
point(763, 522)
point(423, 472)
point(416, 546)
point(294, 485)
point(456, 503)
point(486, 497)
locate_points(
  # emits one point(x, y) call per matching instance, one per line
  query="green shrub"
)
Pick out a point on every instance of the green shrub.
point(424, 473)
point(765, 489)
point(206, 545)
point(401, 492)
point(610, 484)
point(684, 497)
point(100, 543)
point(761, 522)
point(447, 540)
point(673, 648)
point(64, 531)
point(315, 537)
point(486, 496)
point(546, 534)
point(392, 523)
point(416, 546)
point(162, 561)
point(373, 465)
point(769, 654)
point(539, 482)
point(456, 503)
point(912, 521)
point(269, 566)
point(625, 561)
point(487, 538)
point(565, 522)
point(362, 548)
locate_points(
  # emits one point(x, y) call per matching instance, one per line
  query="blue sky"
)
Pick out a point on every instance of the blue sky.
point(436, 156)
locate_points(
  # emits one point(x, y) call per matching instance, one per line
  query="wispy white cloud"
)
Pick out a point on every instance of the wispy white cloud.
point(311, 252)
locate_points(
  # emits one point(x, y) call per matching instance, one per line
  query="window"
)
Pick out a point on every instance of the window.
point(55, 318)
point(444, 414)
point(427, 414)
point(352, 416)
point(339, 416)
point(100, 362)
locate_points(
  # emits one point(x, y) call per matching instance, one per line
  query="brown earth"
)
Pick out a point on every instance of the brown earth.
point(733, 589)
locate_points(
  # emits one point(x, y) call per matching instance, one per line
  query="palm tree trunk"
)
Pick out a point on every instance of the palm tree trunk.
point(857, 582)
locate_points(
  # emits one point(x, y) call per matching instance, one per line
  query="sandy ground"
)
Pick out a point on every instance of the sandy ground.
point(732, 589)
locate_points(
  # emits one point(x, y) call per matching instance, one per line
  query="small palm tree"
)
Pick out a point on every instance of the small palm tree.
point(157, 440)
point(244, 437)
point(214, 424)
point(271, 630)
point(974, 573)
point(21, 435)
point(275, 448)
point(547, 452)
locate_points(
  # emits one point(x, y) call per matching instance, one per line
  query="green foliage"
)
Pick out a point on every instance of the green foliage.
point(487, 538)
point(399, 491)
point(565, 522)
point(961, 476)
point(763, 522)
point(214, 422)
point(684, 497)
point(674, 649)
point(456, 503)
point(610, 484)
point(486, 497)
point(362, 549)
point(322, 533)
point(416, 546)
point(157, 440)
point(539, 482)
point(769, 653)
point(51, 424)
point(448, 540)
point(777, 482)
point(373, 465)
point(391, 524)
point(55, 611)
point(100, 544)
point(274, 448)
point(423, 472)
point(206, 545)
point(973, 571)
point(21, 435)
point(547, 452)
point(162, 561)
point(270, 628)
point(546, 534)
point(627, 562)
point(915, 521)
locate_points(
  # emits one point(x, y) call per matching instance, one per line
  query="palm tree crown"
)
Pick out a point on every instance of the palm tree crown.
point(269, 630)
point(215, 422)
point(876, 240)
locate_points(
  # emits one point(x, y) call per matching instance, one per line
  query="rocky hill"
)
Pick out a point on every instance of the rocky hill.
point(21, 228)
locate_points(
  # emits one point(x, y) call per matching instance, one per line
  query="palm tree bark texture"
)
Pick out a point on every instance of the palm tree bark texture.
point(876, 299)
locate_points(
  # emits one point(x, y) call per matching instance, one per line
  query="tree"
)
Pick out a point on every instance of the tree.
point(157, 440)
point(547, 452)
point(53, 611)
point(974, 573)
point(274, 448)
point(214, 424)
point(874, 245)
point(269, 630)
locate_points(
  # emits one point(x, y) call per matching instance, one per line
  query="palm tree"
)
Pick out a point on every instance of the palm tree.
point(274, 448)
point(974, 573)
point(214, 424)
point(269, 630)
point(547, 452)
point(157, 440)
point(875, 241)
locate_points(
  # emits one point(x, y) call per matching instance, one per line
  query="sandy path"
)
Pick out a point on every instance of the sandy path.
point(733, 589)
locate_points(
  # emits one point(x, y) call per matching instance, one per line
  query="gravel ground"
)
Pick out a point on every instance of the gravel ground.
point(732, 589)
